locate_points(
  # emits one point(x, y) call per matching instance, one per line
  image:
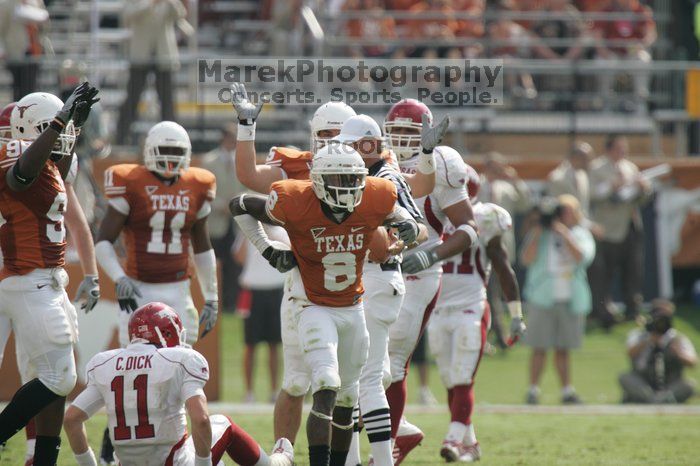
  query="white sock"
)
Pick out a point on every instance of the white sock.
point(265, 460)
point(30, 448)
point(470, 435)
point(353, 458)
point(381, 452)
point(456, 432)
point(378, 427)
point(568, 390)
point(534, 389)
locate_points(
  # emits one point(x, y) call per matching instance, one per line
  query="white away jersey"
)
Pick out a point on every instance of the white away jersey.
point(450, 188)
point(144, 390)
point(465, 275)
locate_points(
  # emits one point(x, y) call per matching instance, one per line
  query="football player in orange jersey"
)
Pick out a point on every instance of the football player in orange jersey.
point(161, 207)
point(330, 221)
point(32, 282)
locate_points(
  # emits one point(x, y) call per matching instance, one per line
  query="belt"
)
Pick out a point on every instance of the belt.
point(388, 266)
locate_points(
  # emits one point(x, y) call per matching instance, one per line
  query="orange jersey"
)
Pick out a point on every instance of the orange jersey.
point(32, 235)
point(159, 218)
point(295, 164)
point(330, 255)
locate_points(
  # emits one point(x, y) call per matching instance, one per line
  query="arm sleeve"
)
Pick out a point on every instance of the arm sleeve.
point(90, 400)
point(195, 376)
point(73, 170)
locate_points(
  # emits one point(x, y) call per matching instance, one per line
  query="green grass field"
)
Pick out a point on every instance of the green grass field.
point(506, 438)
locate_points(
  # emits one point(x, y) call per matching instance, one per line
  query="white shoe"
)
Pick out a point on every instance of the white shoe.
point(451, 451)
point(282, 453)
point(250, 397)
point(470, 453)
point(406, 428)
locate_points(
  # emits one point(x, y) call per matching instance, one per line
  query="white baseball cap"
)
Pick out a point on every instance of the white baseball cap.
point(358, 127)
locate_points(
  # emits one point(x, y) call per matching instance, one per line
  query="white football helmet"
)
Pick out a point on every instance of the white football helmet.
point(329, 116)
point(338, 176)
point(167, 149)
point(32, 115)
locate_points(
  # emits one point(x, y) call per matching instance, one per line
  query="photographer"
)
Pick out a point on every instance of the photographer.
point(658, 354)
point(557, 253)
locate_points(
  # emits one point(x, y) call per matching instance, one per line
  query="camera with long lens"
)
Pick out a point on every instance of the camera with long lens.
point(658, 323)
point(549, 210)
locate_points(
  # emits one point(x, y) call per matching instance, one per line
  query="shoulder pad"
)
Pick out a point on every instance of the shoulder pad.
point(192, 362)
point(492, 220)
point(450, 169)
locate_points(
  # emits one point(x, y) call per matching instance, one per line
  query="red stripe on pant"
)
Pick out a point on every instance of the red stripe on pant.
point(176, 447)
point(397, 392)
point(461, 397)
point(240, 446)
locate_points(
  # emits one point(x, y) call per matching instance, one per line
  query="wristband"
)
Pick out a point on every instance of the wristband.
point(57, 125)
point(246, 132)
point(516, 309)
point(470, 231)
point(241, 203)
point(18, 176)
point(426, 162)
point(86, 459)
point(202, 461)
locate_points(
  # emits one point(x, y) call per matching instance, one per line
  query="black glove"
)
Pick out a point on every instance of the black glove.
point(281, 259)
point(83, 107)
point(66, 113)
point(407, 230)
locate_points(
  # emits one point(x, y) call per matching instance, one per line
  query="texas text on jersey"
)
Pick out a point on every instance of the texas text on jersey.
point(160, 218)
point(32, 233)
point(330, 255)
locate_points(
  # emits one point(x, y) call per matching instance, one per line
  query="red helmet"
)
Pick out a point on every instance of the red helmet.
point(5, 127)
point(407, 113)
point(473, 183)
point(156, 323)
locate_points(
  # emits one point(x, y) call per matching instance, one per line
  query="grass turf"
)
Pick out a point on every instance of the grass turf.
point(506, 439)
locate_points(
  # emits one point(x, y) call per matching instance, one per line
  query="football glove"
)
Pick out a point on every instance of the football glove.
point(89, 290)
point(517, 329)
point(407, 230)
point(83, 107)
point(280, 259)
point(418, 261)
point(66, 113)
point(247, 112)
point(431, 136)
point(127, 291)
point(208, 316)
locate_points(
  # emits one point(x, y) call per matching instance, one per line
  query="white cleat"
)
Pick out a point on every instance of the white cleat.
point(451, 451)
point(470, 453)
point(282, 453)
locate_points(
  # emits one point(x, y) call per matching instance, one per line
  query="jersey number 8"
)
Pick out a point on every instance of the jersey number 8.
point(339, 270)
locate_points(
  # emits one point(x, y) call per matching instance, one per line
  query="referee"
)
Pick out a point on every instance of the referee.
point(384, 291)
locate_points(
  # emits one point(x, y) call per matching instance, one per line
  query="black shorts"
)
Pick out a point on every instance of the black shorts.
point(263, 323)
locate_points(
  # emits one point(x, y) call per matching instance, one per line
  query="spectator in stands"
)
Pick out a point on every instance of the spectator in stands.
point(433, 30)
point(286, 27)
point(21, 24)
point(557, 253)
point(627, 39)
point(501, 185)
point(152, 49)
point(658, 354)
point(564, 23)
point(263, 321)
point(221, 162)
point(571, 176)
point(374, 24)
point(617, 192)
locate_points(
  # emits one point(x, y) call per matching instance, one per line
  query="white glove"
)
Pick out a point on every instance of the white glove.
point(247, 112)
point(431, 136)
point(208, 316)
point(89, 289)
point(418, 261)
point(127, 291)
point(517, 329)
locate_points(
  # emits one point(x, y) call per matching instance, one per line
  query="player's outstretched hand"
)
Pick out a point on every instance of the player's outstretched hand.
point(84, 105)
point(208, 316)
point(89, 290)
point(246, 110)
point(517, 329)
point(407, 230)
point(282, 260)
point(431, 136)
point(127, 291)
point(66, 113)
point(418, 261)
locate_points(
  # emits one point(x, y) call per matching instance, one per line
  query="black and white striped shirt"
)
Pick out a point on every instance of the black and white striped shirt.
point(383, 170)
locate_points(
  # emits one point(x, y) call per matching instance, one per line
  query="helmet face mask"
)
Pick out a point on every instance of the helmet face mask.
point(338, 177)
point(402, 127)
point(167, 150)
point(33, 114)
